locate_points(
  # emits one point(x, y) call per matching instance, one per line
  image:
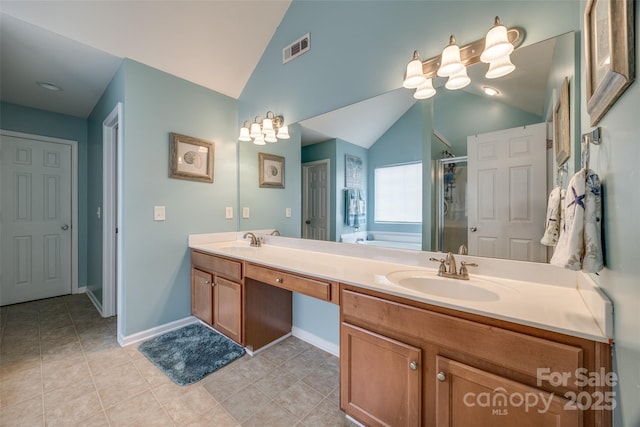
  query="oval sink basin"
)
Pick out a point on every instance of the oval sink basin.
point(431, 284)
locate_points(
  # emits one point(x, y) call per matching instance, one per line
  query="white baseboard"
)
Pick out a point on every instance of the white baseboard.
point(153, 332)
point(94, 300)
point(81, 290)
point(316, 341)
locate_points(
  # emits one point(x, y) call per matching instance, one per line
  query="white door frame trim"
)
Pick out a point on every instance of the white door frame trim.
point(305, 191)
point(112, 142)
point(74, 196)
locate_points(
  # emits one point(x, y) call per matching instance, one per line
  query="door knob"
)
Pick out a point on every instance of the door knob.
point(65, 227)
point(473, 229)
point(307, 222)
point(441, 376)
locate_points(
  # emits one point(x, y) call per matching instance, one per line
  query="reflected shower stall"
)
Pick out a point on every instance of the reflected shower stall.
point(451, 206)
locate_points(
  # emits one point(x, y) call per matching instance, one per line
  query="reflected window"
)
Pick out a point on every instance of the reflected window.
point(398, 193)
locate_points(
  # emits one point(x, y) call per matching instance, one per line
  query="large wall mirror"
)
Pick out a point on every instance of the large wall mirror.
point(390, 134)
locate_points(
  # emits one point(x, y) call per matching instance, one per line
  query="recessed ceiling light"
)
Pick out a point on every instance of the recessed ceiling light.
point(49, 86)
point(488, 90)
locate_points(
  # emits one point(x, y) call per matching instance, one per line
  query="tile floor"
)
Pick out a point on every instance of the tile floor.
point(60, 365)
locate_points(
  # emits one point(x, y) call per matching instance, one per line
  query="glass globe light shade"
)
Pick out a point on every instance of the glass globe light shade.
point(500, 68)
point(425, 90)
point(259, 140)
point(244, 134)
point(450, 63)
point(414, 77)
point(458, 80)
point(255, 130)
point(283, 132)
point(496, 43)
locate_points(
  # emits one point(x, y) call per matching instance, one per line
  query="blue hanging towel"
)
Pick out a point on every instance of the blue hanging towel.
point(355, 214)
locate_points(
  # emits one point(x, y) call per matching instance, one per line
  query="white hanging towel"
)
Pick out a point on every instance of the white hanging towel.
point(555, 217)
point(579, 246)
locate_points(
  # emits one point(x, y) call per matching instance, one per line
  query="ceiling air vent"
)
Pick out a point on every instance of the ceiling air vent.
point(296, 48)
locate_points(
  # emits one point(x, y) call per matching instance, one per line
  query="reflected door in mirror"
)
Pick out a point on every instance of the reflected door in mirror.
point(315, 200)
point(507, 193)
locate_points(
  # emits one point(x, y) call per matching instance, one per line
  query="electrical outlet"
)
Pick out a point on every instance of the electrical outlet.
point(159, 213)
point(245, 212)
point(228, 212)
point(287, 213)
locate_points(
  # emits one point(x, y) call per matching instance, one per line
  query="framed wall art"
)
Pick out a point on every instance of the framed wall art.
point(190, 158)
point(271, 173)
point(562, 126)
point(609, 53)
point(353, 171)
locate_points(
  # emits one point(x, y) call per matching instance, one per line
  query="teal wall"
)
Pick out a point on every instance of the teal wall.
point(458, 114)
point(616, 162)
point(29, 120)
point(113, 94)
point(156, 257)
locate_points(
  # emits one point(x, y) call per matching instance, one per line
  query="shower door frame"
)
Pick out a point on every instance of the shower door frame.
point(440, 197)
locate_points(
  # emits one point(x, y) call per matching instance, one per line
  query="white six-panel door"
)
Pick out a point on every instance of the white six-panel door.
point(35, 219)
point(507, 193)
point(315, 209)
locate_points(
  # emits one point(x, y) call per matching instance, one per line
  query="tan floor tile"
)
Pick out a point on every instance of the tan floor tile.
point(190, 406)
point(326, 414)
point(52, 334)
point(27, 413)
point(150, 372)
point(106, 359)
point(15, 345)
point(299, 399)
point(276, 382)
point(118, 384)
point(301, 365)
point(170, 391)
point(254, 367)
point(225, 382)
point(20, 386)
point(271, 415)
point(72, 405)
point(65, 372)
point(10, 363)
point(283, 351)
point(53, 351)
point(245, 403)
point(218, 417)
point(139, 410)
point(324, 379)
point(133, 352)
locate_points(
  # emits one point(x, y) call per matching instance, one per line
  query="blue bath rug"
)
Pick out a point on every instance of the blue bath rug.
point(189, 354)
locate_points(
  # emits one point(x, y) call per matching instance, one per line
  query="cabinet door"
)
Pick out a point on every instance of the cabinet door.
point(467, 396)
point(380, 378)
point(228, 308)
point(201, 295)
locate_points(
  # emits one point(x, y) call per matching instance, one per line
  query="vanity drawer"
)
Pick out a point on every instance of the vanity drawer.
point(231, 269)
point(293, 282)
point(502, 347)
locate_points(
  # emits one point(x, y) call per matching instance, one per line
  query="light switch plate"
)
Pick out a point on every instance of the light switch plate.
point(245, 212)
point(287, 212)
point(159, 213)
point(228, 212)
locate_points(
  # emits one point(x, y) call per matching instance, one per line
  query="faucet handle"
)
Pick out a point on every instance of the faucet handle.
point(464, 273)
point(442, 269)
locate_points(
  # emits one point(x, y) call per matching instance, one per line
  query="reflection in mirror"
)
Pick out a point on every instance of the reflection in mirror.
point(394, 129)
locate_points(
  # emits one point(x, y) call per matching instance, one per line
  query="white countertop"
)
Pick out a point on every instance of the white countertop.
point(572, 306)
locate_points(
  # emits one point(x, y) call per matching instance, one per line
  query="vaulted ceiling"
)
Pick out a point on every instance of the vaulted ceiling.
point(79, 45)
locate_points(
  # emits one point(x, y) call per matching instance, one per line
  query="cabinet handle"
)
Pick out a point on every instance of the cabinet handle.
point(413, 365)
point(278, 279)
point(206, 282)
point(441, 376)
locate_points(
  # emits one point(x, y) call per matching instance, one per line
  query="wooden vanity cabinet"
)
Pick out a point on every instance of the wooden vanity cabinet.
point(216, 293)
point(460, 360)
point(201, 295)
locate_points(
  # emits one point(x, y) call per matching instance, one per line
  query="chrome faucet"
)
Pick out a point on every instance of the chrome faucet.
point(275, 233)
point(452, 271)
point(451, 263)
point(255, 242)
